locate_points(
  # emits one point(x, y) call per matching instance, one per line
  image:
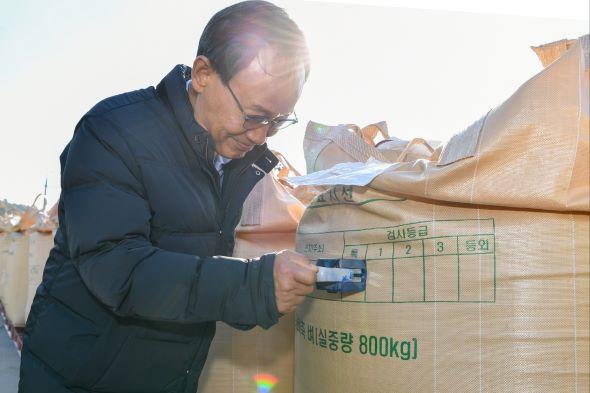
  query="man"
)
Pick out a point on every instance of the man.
point(153, 184)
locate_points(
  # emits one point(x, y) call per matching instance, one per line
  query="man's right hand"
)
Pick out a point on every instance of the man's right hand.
point(294, 278)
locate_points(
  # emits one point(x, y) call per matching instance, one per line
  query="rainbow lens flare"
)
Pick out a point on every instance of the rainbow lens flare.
point(265, 382)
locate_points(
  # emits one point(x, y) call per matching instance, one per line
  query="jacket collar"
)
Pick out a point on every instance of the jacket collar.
point(173, 87)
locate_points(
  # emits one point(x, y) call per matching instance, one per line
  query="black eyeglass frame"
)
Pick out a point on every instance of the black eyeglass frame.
point(275, 124)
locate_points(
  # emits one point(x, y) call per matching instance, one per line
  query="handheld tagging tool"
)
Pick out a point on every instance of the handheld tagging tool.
point(341, 275)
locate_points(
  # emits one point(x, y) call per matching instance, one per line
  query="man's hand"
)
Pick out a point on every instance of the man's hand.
point(294, 278)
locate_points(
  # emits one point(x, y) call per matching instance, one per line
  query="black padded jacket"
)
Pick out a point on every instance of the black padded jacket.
point(138, 275)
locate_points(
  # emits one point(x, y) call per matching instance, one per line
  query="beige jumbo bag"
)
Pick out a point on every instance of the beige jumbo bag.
point(40, 244)
point(23, 251)
point(478, 261)
point(241, 361)
point(326, 146)
point(3, 255)
point(14, 263)
point(15, 279)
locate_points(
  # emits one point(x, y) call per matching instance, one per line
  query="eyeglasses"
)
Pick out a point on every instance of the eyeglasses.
point(252, 122)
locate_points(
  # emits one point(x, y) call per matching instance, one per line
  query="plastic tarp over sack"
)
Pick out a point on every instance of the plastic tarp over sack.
point(477, 258)
point(239, 361)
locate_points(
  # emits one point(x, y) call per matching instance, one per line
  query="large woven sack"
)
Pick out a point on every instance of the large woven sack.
point(269, 217)
point(478, 261)
point(552, 51)
point(40, 244)
point(238, 361)
point(15, 278)
point(3, 255)
point(324, 146)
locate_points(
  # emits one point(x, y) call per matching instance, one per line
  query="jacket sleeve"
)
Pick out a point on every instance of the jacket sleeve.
point(107, 224)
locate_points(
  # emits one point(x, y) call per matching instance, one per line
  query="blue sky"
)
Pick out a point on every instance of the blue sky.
point(429, 73)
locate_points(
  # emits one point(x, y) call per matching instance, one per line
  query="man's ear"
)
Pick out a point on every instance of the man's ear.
point(201, 73)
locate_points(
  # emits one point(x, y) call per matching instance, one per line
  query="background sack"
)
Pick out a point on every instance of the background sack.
point(325, 146)
point(15, 250)
point(269, 220)
point(24, 248)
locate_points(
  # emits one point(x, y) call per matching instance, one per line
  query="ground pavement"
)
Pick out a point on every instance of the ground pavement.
point(9, 361)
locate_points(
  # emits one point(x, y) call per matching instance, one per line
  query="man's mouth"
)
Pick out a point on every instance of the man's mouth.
point(243, 146)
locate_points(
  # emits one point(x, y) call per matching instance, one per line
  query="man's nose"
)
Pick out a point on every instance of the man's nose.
point(258, 135)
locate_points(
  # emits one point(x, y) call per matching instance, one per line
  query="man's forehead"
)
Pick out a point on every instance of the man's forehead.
point(271, 66)
point(271, 82)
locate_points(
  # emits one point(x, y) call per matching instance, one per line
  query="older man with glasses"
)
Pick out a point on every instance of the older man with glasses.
point(153, 183)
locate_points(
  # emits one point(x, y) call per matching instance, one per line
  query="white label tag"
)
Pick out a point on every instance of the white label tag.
point(345, 173)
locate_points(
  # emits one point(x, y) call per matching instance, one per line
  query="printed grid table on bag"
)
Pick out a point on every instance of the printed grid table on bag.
point(418, 262)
